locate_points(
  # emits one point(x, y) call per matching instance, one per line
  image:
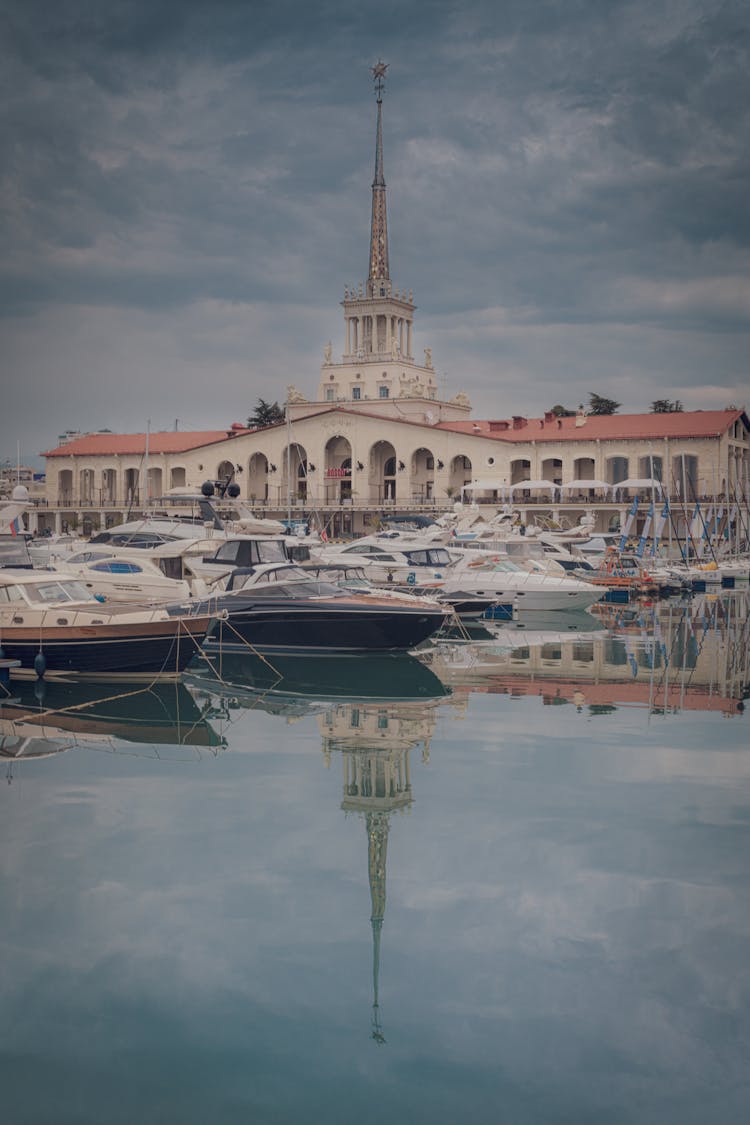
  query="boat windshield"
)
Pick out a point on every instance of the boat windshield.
point(14, 551)
point(290, 582)
point(271, 551)
point(504, 565)
point(51, 592)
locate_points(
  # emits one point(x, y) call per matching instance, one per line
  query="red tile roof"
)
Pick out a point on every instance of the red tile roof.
point(168, 442)
point(694, 423)
point(608, 427)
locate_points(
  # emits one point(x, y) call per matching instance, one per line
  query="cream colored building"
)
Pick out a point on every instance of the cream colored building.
point(378, 435)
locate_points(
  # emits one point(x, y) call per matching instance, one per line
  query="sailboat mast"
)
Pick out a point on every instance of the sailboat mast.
point(146, 489)
point(288, 465)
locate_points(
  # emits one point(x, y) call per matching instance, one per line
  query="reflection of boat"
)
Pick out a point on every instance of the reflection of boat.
point(666, 658)
point(56, 616)
point(66, 713)
point(391, 677)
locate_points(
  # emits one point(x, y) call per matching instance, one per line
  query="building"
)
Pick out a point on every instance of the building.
point(378, 434)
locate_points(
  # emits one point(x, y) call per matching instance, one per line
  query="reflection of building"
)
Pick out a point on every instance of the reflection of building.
point(666, 658)
point(374, 741)
point(380, 430)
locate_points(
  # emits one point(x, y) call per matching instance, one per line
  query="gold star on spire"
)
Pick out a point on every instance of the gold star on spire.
point(378, 71)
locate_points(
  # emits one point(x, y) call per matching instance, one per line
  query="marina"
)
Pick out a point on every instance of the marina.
point(374, 746)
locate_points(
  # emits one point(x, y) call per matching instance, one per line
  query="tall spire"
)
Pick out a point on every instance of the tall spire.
point(379, 271)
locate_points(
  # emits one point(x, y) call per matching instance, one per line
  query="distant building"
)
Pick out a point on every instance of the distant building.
point(379, 433)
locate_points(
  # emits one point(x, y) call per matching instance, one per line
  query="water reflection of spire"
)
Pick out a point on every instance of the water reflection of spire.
point(378, 825)
point(375, 742)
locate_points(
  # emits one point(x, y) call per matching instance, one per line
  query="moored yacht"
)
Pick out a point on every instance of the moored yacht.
point(470, 573)
point(280, 608)
point(51, 623)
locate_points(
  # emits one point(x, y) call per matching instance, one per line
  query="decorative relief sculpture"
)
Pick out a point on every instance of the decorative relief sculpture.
point(294, 395)
point(327, 353)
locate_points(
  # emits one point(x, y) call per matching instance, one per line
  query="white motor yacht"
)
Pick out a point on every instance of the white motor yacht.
point(398, 561)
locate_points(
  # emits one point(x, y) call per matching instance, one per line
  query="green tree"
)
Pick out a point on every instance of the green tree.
point(266, 413)
point(600, 405)
point(561, 411)
point(666, 406)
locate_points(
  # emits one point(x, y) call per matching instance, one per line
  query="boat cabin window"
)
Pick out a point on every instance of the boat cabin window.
point(269, 551)
point(117, 566)
point(439, 557)
point(171, 568)
point(298, 553)
point(11, 594)
point(416, 558)
point(14, 551)
point(250, 552)
point(57, 592)
point(227, 553)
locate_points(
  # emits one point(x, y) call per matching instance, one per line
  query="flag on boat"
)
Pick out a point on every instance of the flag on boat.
point(15, 526)
point(324, 535)
point(630, 520)
point(645, 532)
point(696, 529)
point(659, 523)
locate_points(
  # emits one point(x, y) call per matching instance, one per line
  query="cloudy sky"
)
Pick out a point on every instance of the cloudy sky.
point(186, 192)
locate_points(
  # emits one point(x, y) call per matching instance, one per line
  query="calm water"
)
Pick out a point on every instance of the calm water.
point(508, 885)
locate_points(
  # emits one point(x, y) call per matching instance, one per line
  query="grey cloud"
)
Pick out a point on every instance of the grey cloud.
point(553, 161)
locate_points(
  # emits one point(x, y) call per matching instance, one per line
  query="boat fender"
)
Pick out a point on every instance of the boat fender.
point(40, 664)
point(100, 597)
point(40, 690)
point(411, 578)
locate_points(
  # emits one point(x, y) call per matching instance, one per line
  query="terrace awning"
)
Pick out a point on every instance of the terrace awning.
point(586, 484)
point(486, 484)
point(547, 485)
point(649, 483)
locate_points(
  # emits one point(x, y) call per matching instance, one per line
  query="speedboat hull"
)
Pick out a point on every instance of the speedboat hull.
point(342, 625)
point(162, 646)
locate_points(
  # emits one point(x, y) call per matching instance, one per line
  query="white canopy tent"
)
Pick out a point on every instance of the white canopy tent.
point(648, 484)
point(486, 484)
point(582, 484)
point(547, 485)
